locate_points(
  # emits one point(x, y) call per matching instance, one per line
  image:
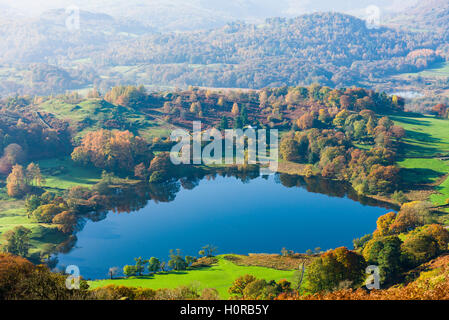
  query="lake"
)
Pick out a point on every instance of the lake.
point(259, 215)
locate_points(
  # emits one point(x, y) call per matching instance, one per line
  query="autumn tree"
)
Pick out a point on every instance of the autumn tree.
point(140, 171)
point(420, 248)
point(47, 212)
point(65, 221)
point(13, 270)
point(93, 94)
point(114, 150)
point(289, 149)
point(439, 233)
point(235, 109)
point(345, 102)
point(384, 224)
point(12, 154)
point(161, 168)
point(16, 182)
point(34, 175)
point(305, 121)
point(440, 110)
point(240, 284)
point(412, 215)
point(221, 102)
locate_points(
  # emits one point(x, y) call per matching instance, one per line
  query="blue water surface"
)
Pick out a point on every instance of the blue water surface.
point(260, 216)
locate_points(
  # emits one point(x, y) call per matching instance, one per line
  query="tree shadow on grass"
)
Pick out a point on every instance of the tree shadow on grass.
point(412, 121)
point(422, 137)
point(407, 150)
point(418, 176)
point(169, 273)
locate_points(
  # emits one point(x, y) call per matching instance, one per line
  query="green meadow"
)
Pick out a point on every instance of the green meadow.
point(438, 70)
point(423, 157)
point(63, 174)
point(427, 136)
point(219, 276)
point(60, 175)
point(91, 114)
point(43, 237)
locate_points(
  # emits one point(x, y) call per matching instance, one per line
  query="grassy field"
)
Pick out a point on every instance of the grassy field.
point(220, 276)
point(90, 114)
point(423, 170)
point(438, 70)
point(65, 174)
point(13, 213)
point(427, 136)
point(426, 141)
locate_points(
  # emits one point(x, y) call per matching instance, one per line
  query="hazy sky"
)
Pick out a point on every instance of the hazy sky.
point(257, 8)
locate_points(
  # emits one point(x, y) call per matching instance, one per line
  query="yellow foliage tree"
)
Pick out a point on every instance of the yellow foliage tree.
point(235, 109)
point(16, 182)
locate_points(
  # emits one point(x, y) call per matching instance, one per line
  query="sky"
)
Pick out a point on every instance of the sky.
point(240, 8)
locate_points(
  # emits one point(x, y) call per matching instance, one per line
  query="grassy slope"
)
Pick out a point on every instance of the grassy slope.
point(97, 111)
point(220, 276)
point(437, 71)
point(427, 139)
point(71, 174)
point(427, 136)
point(13, 213)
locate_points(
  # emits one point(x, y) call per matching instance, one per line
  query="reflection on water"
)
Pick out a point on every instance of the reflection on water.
point(238, 213)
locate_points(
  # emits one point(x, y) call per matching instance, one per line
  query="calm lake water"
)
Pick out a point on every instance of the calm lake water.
point(261, 215)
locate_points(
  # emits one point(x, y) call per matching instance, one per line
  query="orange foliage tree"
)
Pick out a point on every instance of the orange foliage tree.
point(114, 150)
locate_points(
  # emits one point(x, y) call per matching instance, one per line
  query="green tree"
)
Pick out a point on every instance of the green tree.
point(335, 268)
point(289, 149)
point(223, 123)
point(129, 271)
point(140, 265)
point(238, 123)
point(240, 284)
point(46, 212)
point(420, 248)
point(189, 260)
point(17, 241)
point(208, 251)
point(360, 242)
point(244, 116)
point(176, 261)
point(359, 129)
point(386, 253)
point(154, 265)
point(34, 175)
point(32, 202)
point(399, 197)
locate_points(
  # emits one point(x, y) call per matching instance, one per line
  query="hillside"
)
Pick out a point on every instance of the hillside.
point(328, 48)
point(427, 16)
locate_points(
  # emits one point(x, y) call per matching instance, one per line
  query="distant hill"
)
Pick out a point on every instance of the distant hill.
point(181, 15)
point(427, 16)
point(329, 48)
point(39, 39)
